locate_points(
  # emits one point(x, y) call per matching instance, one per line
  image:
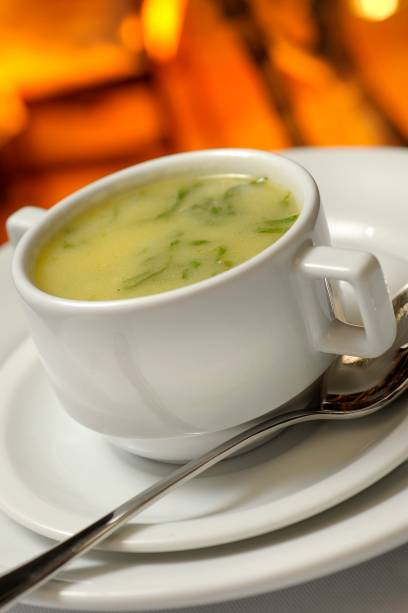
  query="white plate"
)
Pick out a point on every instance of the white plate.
point(364, 526)
point(57, 476)
point(371, 523)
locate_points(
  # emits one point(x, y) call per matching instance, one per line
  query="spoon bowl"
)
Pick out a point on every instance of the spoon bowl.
point(353, 387)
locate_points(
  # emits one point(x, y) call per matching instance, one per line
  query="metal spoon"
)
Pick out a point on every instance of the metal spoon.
point(351, 388)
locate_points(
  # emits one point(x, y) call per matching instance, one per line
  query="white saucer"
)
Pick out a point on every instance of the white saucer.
point(57, 476)
point(364, 526)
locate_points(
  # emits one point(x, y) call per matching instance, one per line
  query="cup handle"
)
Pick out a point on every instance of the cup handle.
point(22, 220)
point(363, 271)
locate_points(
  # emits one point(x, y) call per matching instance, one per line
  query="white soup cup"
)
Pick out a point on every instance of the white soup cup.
point(169, 375)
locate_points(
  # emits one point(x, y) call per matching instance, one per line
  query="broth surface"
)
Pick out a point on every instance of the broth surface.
point(164, 235)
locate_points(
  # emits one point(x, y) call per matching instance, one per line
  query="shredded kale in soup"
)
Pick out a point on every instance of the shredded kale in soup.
point(164, 235)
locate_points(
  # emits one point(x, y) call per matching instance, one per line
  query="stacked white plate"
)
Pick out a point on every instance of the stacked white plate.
point(265, 520)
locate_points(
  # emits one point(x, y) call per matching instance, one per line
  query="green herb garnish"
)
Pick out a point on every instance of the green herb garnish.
point(276, 226)
point(219, 259)
point(171, 210)
point(185, 274)
point(195, 263)
point(231, 191)
point(175, 242)
point(199, 242)
point(281, 221)
point(135, 281)
point(69, 244)
point(181, 195)
point(213, 211)
point(264, 230)
point(220, 252)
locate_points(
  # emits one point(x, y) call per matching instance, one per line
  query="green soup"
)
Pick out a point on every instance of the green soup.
point(164, 235)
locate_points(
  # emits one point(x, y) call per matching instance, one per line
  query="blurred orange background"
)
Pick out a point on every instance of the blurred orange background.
point(89, 87)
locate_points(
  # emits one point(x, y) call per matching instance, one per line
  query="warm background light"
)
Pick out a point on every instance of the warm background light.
point(162, 22)
point(131, 33)
point(376, 10)
point(13, 113)
point(89, 87)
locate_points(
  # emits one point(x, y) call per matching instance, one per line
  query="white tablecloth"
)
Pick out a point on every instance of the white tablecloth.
point(377, 586)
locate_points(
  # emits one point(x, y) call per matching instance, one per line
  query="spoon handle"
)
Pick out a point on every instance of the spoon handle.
point(21, 580)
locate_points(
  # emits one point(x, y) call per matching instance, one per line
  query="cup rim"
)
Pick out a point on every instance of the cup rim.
point(34, 295)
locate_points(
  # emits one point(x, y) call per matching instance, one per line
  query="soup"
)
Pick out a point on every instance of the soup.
point(164, 235)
